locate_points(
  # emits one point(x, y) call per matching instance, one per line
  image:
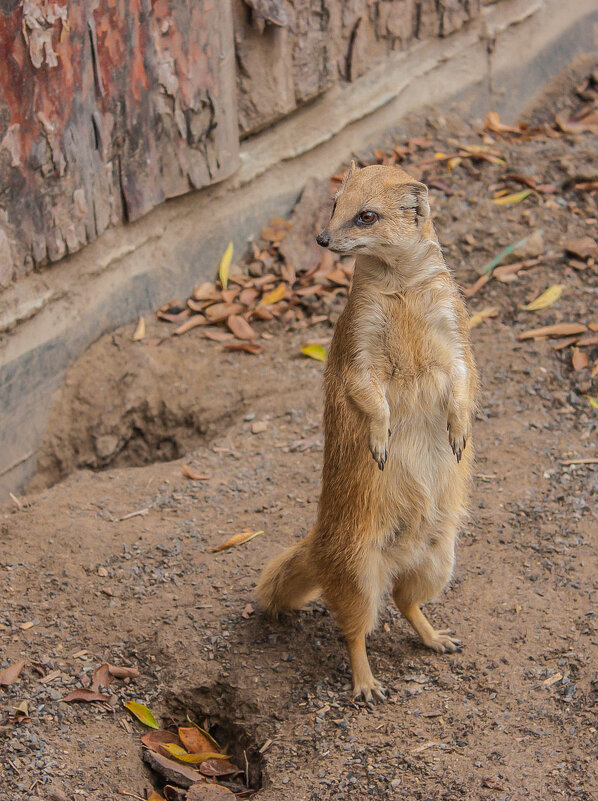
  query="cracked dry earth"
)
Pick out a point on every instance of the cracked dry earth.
point(482, 723)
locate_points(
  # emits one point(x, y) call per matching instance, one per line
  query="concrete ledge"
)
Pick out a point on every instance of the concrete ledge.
point(48, 319)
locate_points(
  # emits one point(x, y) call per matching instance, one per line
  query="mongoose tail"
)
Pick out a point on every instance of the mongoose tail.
point(287, 581)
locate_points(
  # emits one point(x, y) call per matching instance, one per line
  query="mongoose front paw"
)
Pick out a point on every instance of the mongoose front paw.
point(379, 453)
point(458, 436)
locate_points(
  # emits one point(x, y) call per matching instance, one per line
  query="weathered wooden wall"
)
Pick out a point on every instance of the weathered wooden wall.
point(290, 51)
point(108, 107)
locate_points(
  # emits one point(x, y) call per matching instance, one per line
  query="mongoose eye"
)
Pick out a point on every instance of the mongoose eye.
point(367, 217)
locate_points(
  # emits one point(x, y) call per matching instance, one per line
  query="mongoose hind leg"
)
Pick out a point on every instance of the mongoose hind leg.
point(440, 640)
point(356, 614)
point(414, 589)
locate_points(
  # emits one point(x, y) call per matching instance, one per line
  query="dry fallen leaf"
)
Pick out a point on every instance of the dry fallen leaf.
point(511, 200)
point(316, 352)
point(172, 793)
point(240, 327)
point(236, 539)
point(593, 401)
point(492, 123)
point(154, 739)
point(246, 347)
point(579, 359)
point(218, 767)
point(195, 741)
point(83, 695)
point(479, 317)
point(219, 312)
point(156, 797)
point(546, 299)
point(188, 472)
point(274, 296)
point(193, 322)
point(205, 291)
point(101, 677)
point(224, 266)
point(139, 331)
point(205, 733)
point(21, 711)
point(178, 753)
point(142, 713)
point(123, 672)
point(557, 330)
point(10, 674)
point(216, 335)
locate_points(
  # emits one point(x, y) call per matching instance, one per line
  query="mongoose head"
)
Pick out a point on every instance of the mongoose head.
point(378, 211)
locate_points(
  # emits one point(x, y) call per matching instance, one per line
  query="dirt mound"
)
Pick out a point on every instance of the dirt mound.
point(125, 405)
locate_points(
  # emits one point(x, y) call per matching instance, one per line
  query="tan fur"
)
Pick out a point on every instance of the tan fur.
point(400, 387)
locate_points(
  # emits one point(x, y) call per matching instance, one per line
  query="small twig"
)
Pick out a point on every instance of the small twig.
point(138, 513)
point(579, 461)
point(131, 795)
point(16, 500)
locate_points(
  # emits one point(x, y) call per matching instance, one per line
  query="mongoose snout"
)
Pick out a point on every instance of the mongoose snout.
point(400, 386)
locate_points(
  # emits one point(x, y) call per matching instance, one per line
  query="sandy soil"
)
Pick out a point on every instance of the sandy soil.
point(510, 717)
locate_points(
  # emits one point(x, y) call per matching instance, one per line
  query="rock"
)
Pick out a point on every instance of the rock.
point(532, 246)
point(106, 445)
point(202, 791)
point(309, 216)
point(584, 247)
point(56, 794)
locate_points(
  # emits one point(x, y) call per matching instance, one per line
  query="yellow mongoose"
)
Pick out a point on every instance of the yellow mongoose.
point(400, 386)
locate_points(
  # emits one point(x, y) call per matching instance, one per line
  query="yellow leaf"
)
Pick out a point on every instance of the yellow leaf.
point(454, 162)
point(224, 267)
point(440, 155)
point(314, 352)
point(139, 331)
point(479, 317)
point(194, 759)
point(237, 539)
point(547, 298)
point(174, 749)
point(142, 713)
point(510, 200)
point(274, 296)
point(593, 401)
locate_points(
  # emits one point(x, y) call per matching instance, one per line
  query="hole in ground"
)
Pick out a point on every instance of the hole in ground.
point(226, 717)
point(126, 404)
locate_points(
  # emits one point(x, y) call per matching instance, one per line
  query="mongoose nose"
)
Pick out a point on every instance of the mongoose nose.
point(323, 239)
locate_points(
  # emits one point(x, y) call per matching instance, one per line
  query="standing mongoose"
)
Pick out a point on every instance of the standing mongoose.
point(400, 387)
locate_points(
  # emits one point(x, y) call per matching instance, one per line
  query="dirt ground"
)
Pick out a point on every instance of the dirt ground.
point(511, 716)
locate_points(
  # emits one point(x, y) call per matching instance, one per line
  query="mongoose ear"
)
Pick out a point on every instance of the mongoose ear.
point(351, 171)
point(415, 196)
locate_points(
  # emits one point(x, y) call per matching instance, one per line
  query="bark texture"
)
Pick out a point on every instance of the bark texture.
point(108, 107)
